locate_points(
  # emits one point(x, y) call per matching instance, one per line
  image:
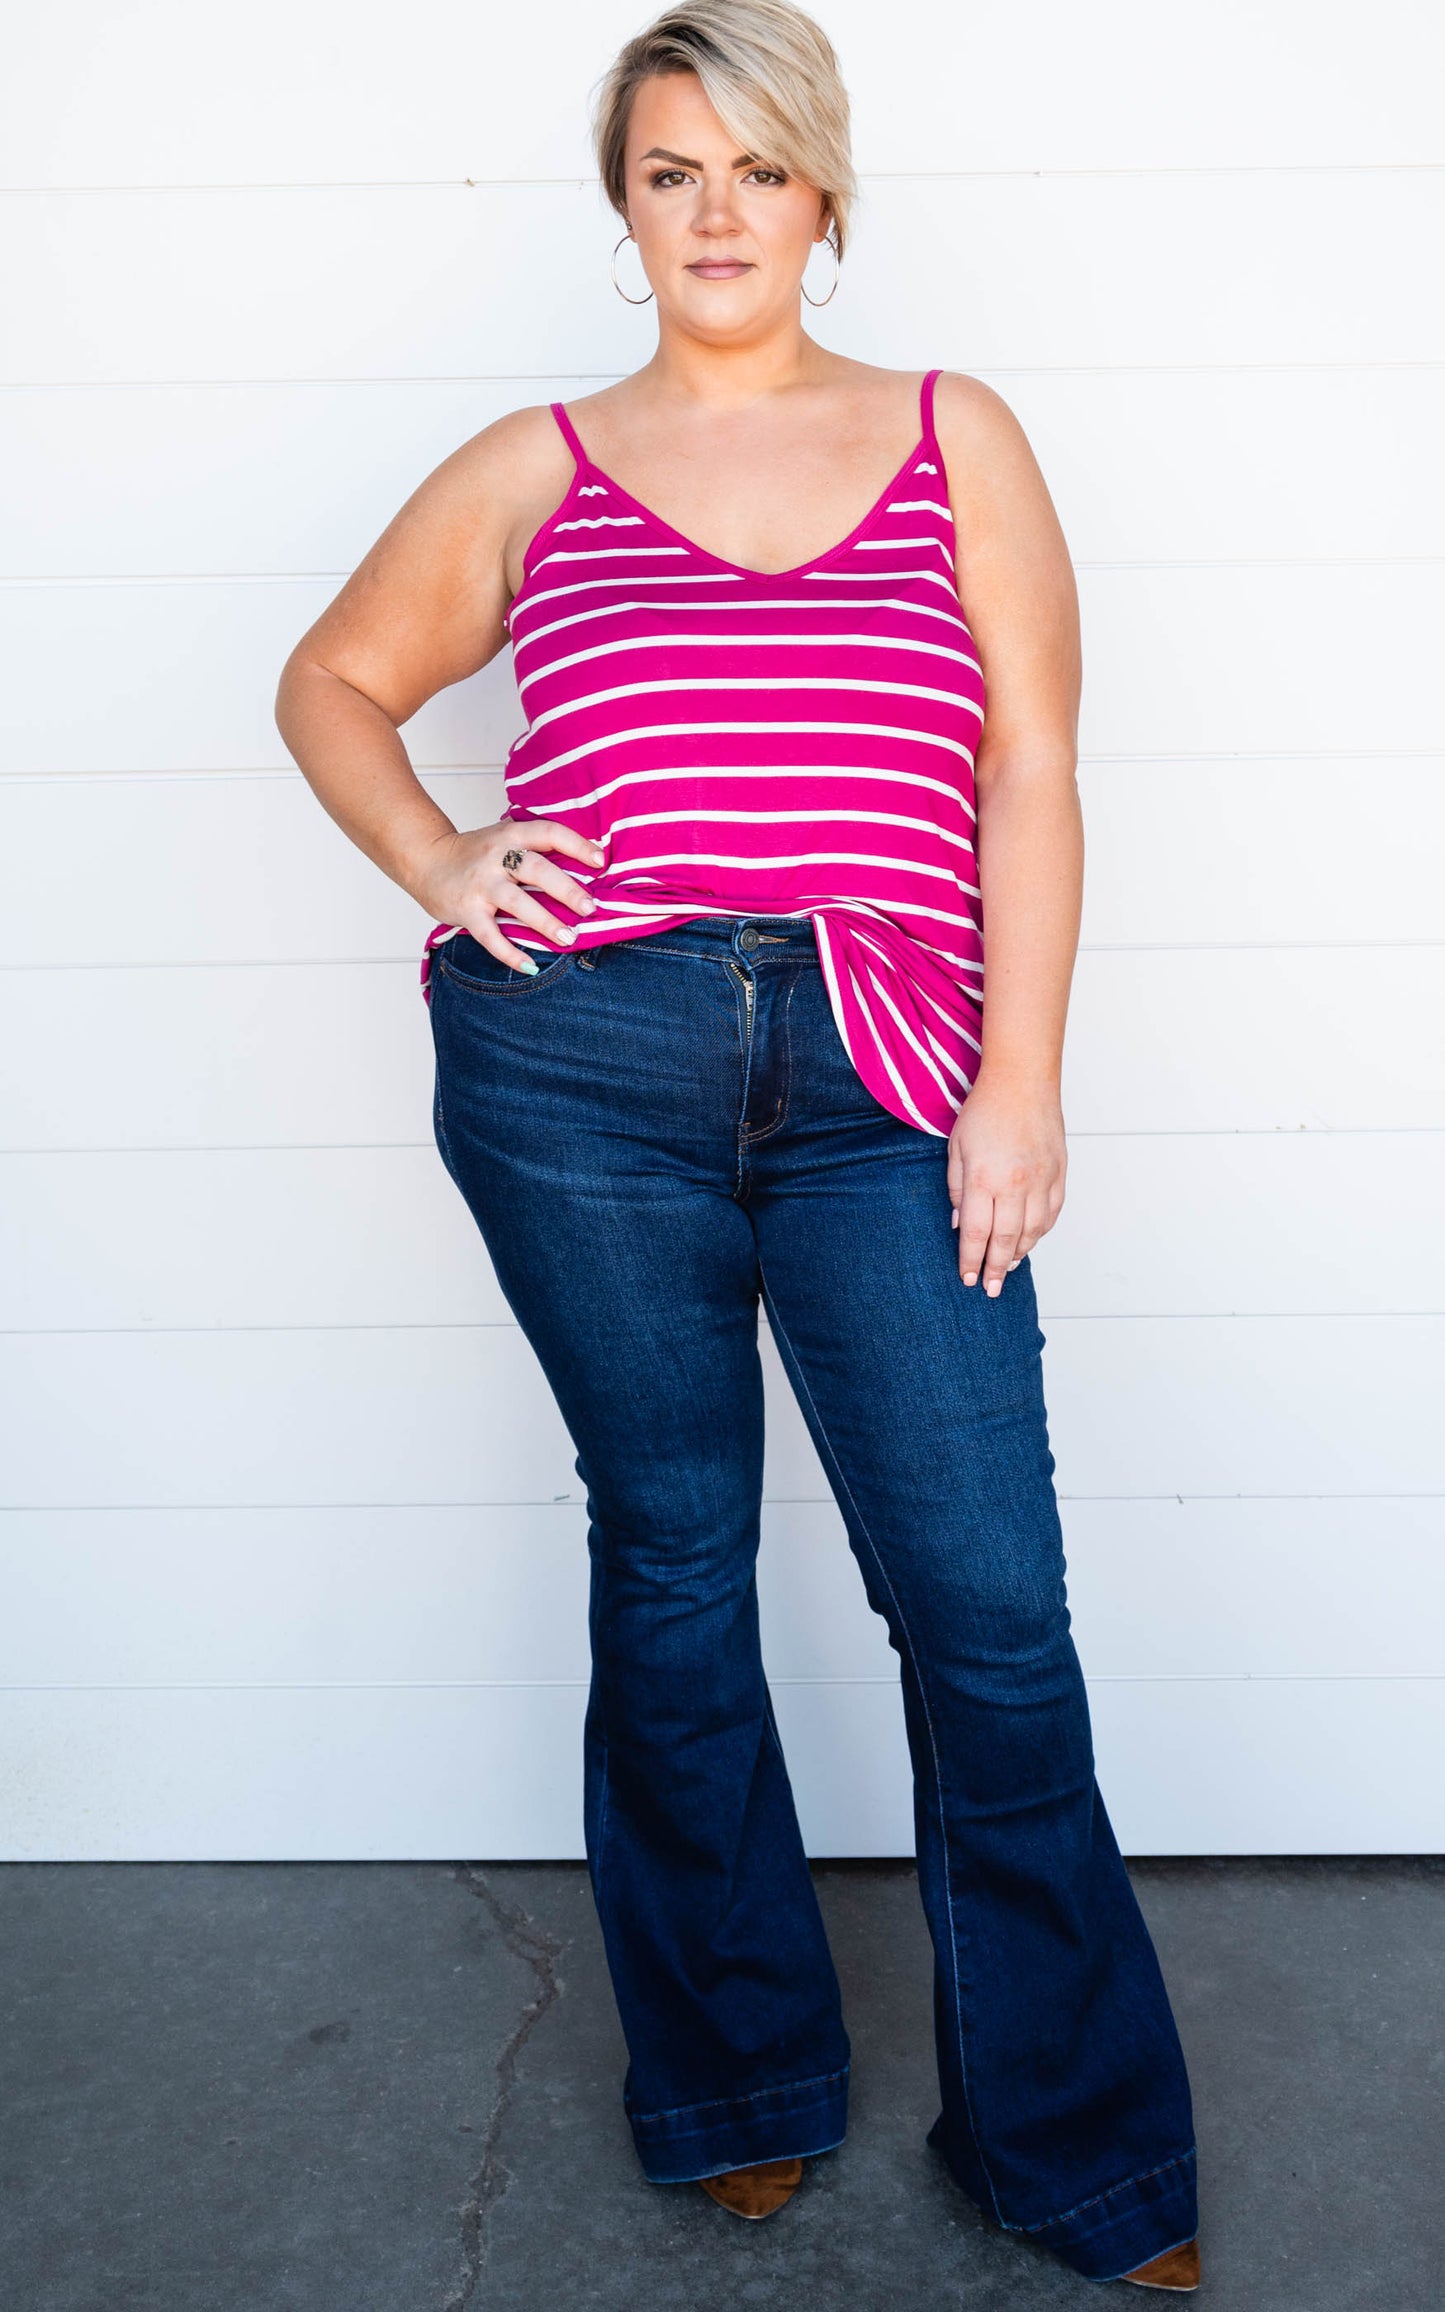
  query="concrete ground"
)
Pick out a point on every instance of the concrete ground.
point(395, 2088)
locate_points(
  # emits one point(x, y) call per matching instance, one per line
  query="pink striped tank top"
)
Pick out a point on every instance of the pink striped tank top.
point(744, 742)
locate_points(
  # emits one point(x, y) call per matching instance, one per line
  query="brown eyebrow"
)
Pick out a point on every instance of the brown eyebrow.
point(656, 153)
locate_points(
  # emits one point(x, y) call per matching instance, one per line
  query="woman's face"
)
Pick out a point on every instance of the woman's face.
point(723, 236)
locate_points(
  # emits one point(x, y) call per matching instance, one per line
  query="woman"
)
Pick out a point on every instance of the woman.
point(708, 1014)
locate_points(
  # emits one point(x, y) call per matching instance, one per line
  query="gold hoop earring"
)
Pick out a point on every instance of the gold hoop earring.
point(830, 243)
point(617, 285)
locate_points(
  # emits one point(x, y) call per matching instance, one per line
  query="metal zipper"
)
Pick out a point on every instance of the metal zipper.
point(747, 986)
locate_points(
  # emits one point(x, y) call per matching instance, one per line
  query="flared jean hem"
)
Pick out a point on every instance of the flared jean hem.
point(1113, 2232)
point(795, 2121)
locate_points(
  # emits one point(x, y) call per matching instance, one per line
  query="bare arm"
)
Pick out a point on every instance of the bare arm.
point(425, 609)
point(1007, 1151)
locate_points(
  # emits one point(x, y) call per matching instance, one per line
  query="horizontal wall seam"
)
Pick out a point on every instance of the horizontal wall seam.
point(564, 1501)
point(366, 1147)
point(1021, 173)
point(288, 773)
point(510, 1325)
point(20, 580)
point(359, 1147)
point(406, 957)
point(845, 1678)
point(612, 376)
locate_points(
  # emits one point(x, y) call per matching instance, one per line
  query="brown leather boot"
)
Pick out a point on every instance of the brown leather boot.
point(755, 2191)
point(1177, 2268)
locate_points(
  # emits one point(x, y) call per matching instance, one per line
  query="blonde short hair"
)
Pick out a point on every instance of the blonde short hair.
point(770, 74)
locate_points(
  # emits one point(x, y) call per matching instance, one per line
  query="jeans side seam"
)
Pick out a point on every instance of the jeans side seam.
point(602, 1802)
point(439, 1122)
point(600, 1575)
point(1180, 2159)
point(602, 1798)
point(774, 1316)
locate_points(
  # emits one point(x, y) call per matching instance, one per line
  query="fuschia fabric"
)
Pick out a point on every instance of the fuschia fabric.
point(741, 742)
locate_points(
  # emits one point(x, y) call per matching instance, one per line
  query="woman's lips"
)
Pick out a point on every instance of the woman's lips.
point(719, 268)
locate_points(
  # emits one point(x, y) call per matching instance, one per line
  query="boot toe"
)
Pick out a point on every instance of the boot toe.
point(755, 2191)
point(1177, 2268)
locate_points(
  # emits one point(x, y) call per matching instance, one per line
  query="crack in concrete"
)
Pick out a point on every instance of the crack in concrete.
point(526, 1939)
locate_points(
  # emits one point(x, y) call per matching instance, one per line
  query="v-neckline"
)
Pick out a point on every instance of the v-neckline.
point(588, 464)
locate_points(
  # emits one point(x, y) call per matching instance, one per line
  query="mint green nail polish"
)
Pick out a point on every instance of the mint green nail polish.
point(530, 966)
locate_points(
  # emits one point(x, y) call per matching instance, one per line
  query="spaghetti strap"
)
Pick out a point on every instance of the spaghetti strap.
point(569, 432)
point(925, 407)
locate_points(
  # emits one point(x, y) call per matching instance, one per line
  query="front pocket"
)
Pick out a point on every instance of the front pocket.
point(466, 961)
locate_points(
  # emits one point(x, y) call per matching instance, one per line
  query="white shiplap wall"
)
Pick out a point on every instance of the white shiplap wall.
point(294, 1562)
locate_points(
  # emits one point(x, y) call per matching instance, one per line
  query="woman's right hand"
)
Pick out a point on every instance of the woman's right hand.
point(462, 881)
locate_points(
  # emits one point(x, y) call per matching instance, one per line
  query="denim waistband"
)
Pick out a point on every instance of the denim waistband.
point(756, 937)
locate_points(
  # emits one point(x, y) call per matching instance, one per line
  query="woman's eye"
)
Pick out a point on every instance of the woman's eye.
point(773, 176)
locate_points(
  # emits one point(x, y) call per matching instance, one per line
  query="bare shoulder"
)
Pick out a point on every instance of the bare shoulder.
point(517, 450)
point(494, 478)
point(1001, 501)
point(1012, 567)
point(427, 605)
point(977, 424)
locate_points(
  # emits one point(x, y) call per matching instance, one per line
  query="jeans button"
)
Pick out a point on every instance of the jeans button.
point(749, 938)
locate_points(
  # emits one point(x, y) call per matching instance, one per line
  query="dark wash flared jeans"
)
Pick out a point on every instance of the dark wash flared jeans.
point(652, 1135)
